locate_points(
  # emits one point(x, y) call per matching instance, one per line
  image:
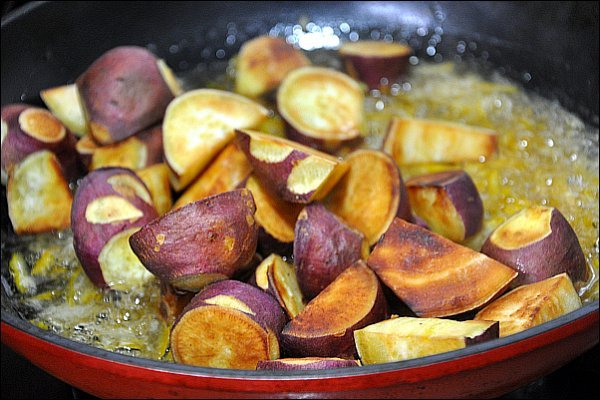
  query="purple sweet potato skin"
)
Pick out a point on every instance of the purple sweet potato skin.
point(190, 240)
point(89, 238)
point(274, 175)
point(17, 144)
point(324, 246)
point(268, 312)
point(152, 138)
point(493, 332)
point(317, 364)
point(464, 195)
point(370, 70)
point(544, 258)
point(124, 91)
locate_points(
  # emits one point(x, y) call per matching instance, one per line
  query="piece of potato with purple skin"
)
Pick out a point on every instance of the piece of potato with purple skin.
point(229, 324)
point(323, 108)
point(532, 304)
point(276, 217)
point(202, 242)
point(539, 243)
point(448, 202)
point(107, 202)
point(38, 195)
point(434, 276)
point(65, 104)
point(278, 278)
point(123, 92)
point(263, 62)
point(85, 148)
point(414, 141)
point(27, 129)
point(326, 325)
point(199, 124)
point(156, 179)
point(370, 61)
point(226, 172)
point(172, 302)
point(293, 172)
point(305, 363)
point(370, 195)
point(324, 246)
point(405, 338)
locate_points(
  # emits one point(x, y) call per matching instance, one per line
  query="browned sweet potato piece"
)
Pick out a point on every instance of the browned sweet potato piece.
point(325, 327)
point(370, 195)
point(156, 179)
point(434, 276)
point(295, 173)
point(323, 108)
point(448, 202)
point(371, 61)
point(226, 172)
point(172, 302)
point(278, 278)
point(38, 195)
point(404, 338)
point(539, 243)
point(123, 92)
point(533, 304)
point(324, 246)
point(229, 324)
point(65, 104)
point(199, 124)
point(305, 363)
point(110, 202)
point(194, 245)
point(27, 129)
point(412, 141)
point(263, 62)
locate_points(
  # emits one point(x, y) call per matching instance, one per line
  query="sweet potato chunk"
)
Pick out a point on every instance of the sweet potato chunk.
point(202, 242)
point(372, 61)
point(448, 202)
point(229, 324)
point(325, 327)
point(227, 172)
point(324, 246)
point(38, 195)
point(65, 103)
point(404, 338)
point(262, 64)
point(539, 243)
point(156, 179)
point(199, 124)
point(323, 108)
point(434, 276)
point(305, 363)
point(293, 172)
point(533, 304)
point(370, 195)
point(412, 141)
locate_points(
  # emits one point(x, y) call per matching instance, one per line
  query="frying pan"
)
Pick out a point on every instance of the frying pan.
point(548, 47)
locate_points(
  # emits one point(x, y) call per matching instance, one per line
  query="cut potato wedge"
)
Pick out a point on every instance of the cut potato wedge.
point(325, 327)
point(323, 108)
point(278, 278)
point(202, 242)
point(226, 172)
point(65, 103)
point(305, 363)
point(434, 276)
point(229, 324)
point(156, 179)
point(372, 61)
point(539, 243)
point(448, 202)
point(405, 338)
point(533, 304)
point(199, 124)
point(38, 195)
point(294, 172)
point(413, 141)
point(370, 195)
point(263, 62)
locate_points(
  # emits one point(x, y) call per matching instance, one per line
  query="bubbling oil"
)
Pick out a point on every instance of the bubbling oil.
point(547, 156)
